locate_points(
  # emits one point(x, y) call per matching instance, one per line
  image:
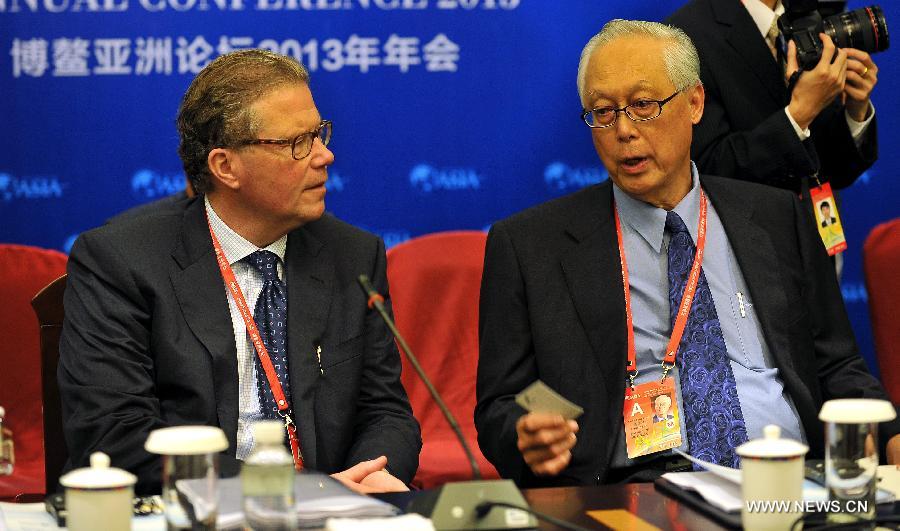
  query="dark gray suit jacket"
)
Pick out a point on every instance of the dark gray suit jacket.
point(744, 132)
point(148, 342)
point(552, 308)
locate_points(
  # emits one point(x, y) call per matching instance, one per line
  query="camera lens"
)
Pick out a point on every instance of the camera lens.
point(864, 29)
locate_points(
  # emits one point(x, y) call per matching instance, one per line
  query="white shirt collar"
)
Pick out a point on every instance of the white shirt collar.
point(762, 15)
point(234, 246)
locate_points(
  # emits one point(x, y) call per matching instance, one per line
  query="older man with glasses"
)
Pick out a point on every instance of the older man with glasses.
point(241, 304)
point(659, 281)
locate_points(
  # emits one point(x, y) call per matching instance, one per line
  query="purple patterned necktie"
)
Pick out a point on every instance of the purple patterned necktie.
point(712, 411)
point(271, 319)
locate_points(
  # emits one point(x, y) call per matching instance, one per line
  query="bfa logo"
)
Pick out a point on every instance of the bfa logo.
point(429, 179)
point(12, 188)
point(147, 184)
point(854, 292)
point(560, 177)
point(335, 182)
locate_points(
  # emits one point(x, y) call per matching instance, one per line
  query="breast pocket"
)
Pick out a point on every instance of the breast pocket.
point(343, 351)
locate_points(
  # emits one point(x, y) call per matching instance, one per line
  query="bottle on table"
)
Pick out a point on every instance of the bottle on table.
point(267, 480)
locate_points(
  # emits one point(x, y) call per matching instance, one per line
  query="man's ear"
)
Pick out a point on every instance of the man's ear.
point(224, 165)
point(696, 99)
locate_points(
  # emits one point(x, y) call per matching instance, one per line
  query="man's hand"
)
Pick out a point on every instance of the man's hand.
point(817, 88)
point(383, 481)
point(546, 441)
point(370, 476)
point(893, 451)
point(862, 75)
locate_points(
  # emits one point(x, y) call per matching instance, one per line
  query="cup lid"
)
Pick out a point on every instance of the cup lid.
point(772, 446)
point(98, 476)
point(857, 411)
point(186, 440)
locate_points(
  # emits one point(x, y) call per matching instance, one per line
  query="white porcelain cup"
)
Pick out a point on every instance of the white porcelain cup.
point(771, 481)
point(99, 497)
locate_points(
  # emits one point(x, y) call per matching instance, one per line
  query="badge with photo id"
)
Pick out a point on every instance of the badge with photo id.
point(828, 221)
point(651, 416)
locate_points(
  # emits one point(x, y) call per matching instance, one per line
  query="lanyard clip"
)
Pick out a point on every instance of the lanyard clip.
point(288, 421)
point(631, 376)
point(816, 177)
point(665, 369)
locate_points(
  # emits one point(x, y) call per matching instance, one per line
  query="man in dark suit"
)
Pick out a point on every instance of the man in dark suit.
point(752, 128)
point(767, 336)
point(154, 337)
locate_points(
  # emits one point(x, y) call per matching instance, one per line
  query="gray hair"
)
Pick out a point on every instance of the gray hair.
point(215, 111)
point(682, 61)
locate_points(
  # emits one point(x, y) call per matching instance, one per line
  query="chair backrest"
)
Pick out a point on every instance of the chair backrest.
point(24, 270)
point(48, 306)
point(435, 282)
point(881, 254)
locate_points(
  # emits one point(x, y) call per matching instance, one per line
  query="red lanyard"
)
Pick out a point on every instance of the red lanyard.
point(284, 409)
point(684, 309)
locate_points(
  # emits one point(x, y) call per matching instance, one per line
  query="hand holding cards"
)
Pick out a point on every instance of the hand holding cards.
point(539, 398)
point(546, 434)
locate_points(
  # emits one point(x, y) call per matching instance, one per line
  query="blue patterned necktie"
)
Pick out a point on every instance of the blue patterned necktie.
point(712, 411)
point(271, 319)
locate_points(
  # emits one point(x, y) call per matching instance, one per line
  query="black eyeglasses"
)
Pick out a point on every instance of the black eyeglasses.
point(639, 111)
point(301, 145)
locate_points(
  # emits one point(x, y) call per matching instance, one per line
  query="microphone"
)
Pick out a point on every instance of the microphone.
point(464, 504)
point(377, 301)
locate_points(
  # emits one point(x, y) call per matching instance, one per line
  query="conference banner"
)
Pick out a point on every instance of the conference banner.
point(448, 114)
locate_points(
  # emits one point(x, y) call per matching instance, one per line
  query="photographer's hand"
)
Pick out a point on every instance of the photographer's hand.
point(862, 75)
point(816, 88)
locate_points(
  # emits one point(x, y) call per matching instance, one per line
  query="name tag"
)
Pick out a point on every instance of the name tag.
point(652, 422)
point(828, 221)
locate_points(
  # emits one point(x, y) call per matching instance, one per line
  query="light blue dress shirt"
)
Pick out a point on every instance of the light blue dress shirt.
point(236, 248)
point(760, 389)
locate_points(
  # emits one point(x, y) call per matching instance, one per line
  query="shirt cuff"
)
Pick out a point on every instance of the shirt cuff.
point(858, 128)
point(802, 134)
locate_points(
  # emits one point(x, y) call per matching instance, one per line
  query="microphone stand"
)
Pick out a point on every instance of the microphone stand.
point(375, 300)
point(466, 504)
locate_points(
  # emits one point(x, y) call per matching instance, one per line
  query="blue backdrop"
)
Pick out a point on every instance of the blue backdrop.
point(449, 114)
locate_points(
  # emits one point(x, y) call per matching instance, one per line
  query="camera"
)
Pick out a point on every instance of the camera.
point(864, 29)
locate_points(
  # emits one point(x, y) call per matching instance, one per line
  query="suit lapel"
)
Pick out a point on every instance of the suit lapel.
point(758, 262)
point(594, 279)
point(743, 36)
point(310, 281)
point(204, 304)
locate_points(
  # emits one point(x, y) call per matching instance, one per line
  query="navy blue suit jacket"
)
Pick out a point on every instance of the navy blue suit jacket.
point(148, 342)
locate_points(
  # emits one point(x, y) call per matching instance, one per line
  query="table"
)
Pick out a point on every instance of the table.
point(571, 503)
point(642, 499)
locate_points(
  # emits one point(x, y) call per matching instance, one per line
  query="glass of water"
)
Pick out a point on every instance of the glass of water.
point(190, 463)
point(851, 455)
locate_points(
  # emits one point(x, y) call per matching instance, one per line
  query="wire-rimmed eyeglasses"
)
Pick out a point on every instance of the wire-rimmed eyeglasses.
point(639, 111)
point(301, 145)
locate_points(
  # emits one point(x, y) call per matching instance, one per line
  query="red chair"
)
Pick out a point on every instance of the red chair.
point(434, 282)
point(25, 271)
point(881, 255)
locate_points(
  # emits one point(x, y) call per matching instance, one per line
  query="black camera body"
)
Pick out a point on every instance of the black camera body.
point(864, 29)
